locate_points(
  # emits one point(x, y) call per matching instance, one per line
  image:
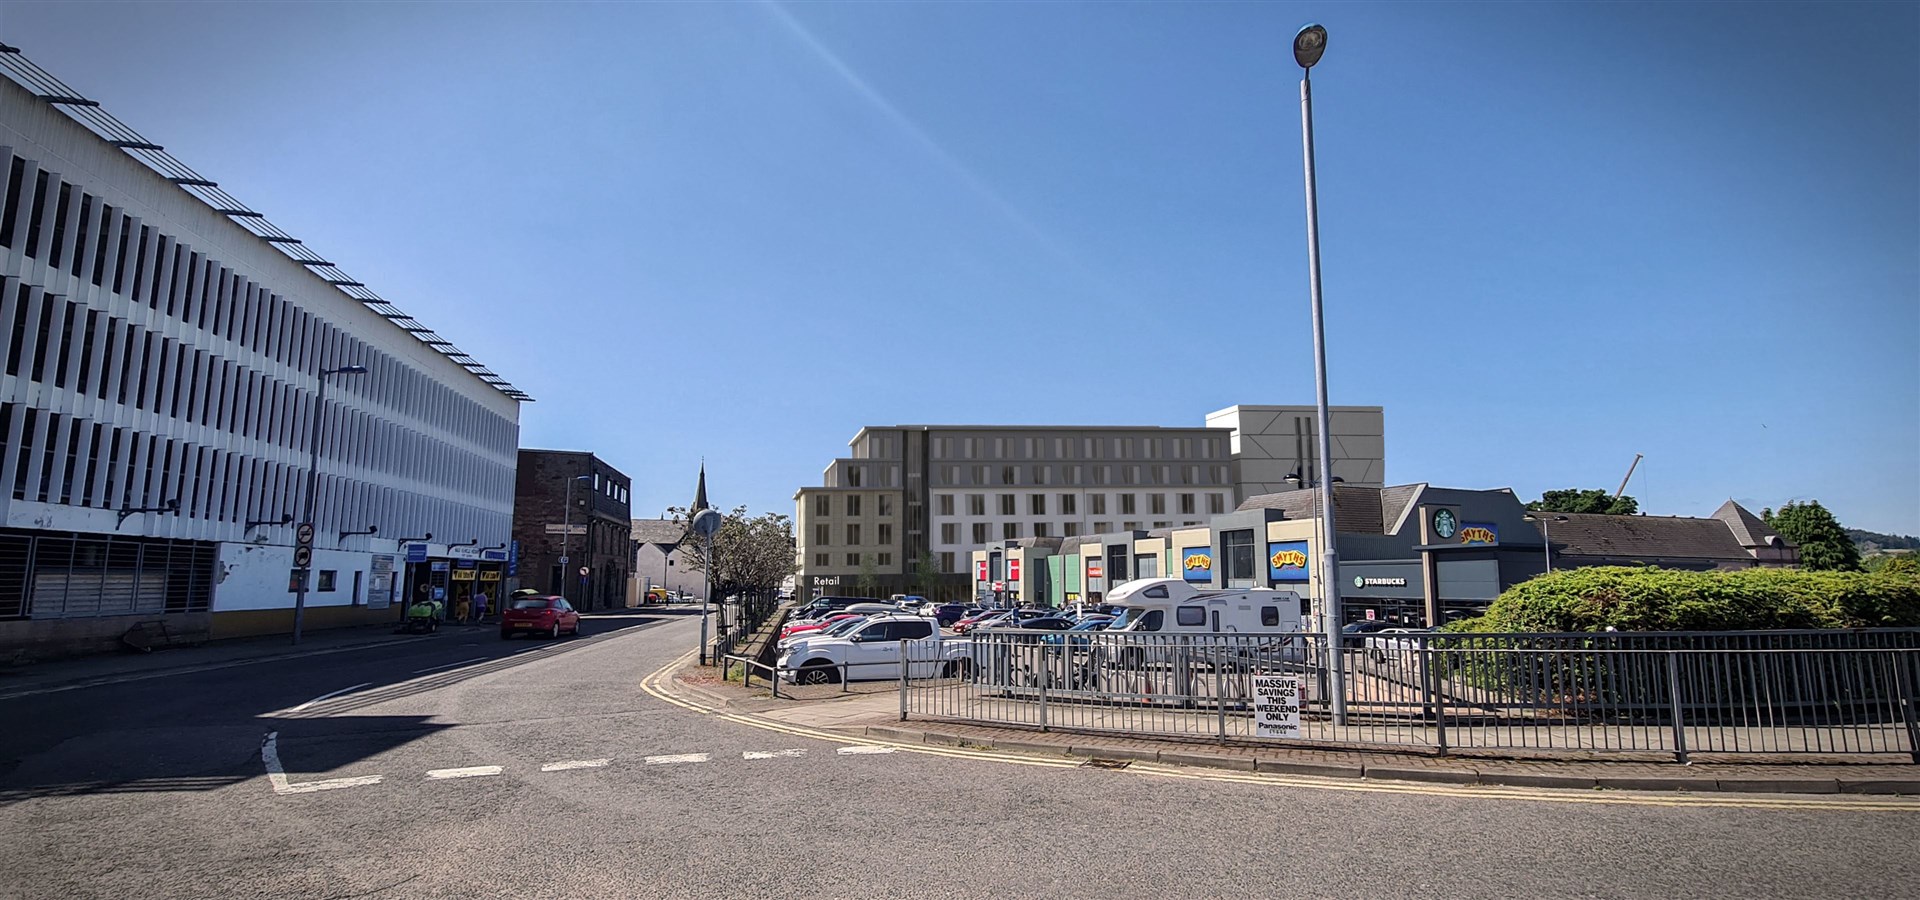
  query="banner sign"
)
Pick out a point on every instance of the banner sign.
point(1013, 568)
point(416, 553)
point(1479, 534)
point(980, 570)
point(1276, 705)
point(1287, 561)
point(380, 582)
point(1196, 563)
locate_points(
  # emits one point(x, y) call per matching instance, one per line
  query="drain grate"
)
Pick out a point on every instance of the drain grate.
point(1106, 764)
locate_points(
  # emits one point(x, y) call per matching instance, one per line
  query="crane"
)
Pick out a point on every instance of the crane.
point(1623, 482)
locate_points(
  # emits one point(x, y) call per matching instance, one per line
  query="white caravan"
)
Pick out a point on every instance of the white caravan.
point(1172, 606)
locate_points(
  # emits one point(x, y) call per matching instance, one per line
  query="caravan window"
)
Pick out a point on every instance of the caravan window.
point(1269, 616)
point(1190, 616)
point(1151, 621)
point(1157, 592)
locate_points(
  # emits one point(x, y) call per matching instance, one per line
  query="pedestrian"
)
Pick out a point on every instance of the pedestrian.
point(460, 606)
point(480, 607)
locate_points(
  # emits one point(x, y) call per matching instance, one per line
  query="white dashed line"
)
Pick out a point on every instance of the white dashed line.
point(678, 758)
point(862, 750)
point(771, 754)
point(467, 772)
point(574, 764)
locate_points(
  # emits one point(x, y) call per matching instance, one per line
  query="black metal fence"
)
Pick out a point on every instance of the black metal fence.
point(1782, 692)
point(737, 618)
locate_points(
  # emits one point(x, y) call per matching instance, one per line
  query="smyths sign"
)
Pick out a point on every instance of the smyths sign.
point(1013, 569)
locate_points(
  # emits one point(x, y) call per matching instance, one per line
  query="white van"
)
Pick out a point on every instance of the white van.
point(1172, 606)
point(871, 609)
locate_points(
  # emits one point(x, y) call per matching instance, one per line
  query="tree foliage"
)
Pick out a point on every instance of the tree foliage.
point(926, 574)
point(1824, 545)
point(868, 580)
point(1576, 500)
point(1892, 564)
point(1650, 599)
point(750, 553)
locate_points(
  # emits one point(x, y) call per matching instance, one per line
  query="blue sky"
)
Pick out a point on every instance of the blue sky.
point(1554, 235)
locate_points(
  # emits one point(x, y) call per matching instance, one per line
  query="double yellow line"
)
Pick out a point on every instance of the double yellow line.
point(654, 684)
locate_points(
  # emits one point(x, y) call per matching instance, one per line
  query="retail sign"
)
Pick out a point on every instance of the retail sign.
point(999, 585)
point(513, 560)
point(1196, 563)
point(1362, 581)
point(416, 553)
point(1479, 534)
point(465, 563)
point(1445, 524)
point(563, 528)
point(494, 555)
point(1276, 705)
point(1287, 561)
point(1094, 570)
point(440, 565)
point(980, 570)
point(464, 552)
point(1013, 568)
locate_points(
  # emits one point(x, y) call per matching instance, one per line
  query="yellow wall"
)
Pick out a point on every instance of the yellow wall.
point(254, 622)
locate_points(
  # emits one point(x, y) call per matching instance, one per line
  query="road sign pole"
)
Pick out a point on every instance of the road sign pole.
point(306, 515)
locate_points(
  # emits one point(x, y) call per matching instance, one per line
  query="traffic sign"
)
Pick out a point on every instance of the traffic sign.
point(563, 560)
point(296, 580)
point(303, 535)
point(583, 571)
point(302, 557)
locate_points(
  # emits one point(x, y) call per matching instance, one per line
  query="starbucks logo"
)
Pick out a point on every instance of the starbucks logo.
point(1444, 524)
point(1359, 581)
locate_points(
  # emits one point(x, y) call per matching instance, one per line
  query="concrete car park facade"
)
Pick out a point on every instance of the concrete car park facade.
point(157, 400)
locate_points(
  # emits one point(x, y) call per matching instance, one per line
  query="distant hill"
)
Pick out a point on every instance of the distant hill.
point(1869, 541)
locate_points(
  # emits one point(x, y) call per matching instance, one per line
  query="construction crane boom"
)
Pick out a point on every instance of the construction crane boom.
point(1623, 482)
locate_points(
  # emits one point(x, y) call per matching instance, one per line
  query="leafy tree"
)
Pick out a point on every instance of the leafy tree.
point(1575, 500)
point(1892, 564)
point(869, 579)
point(926, 574)
point(1823, 543)
point(750, 553)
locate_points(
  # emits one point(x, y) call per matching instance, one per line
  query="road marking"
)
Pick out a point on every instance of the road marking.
point(678, 758)
point(652, 685)
point(863, 749)
point(448, 665)
point(772, 754)
point(277, 775)
point(329, 696)
point(574, 764)
point(467, 772)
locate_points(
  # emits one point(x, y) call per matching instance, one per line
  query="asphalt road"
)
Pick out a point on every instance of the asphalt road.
point(161, 788)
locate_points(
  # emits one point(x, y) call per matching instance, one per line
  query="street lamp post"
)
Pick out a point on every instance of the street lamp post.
point(313, 484)
point(1308, 44)
point(705, 523)
point(1546, 536)
point(566, 531)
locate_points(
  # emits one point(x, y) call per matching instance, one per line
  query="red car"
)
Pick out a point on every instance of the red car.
point(792, 630)
point(971, 622)
point(551, 616)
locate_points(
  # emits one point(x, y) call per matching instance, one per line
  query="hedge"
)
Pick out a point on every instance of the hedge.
point(1650, 599)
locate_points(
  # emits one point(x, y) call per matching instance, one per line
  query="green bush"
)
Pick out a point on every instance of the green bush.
point(1649, 599)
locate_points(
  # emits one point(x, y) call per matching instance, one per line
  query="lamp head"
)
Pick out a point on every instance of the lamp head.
point(1308, 44)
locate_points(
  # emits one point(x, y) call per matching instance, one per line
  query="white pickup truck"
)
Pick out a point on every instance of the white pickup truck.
point(873, 653)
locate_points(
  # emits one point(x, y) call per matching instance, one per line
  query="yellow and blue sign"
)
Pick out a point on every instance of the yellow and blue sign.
point(1287, 561)
point(1196, 563)
point(1479, 534)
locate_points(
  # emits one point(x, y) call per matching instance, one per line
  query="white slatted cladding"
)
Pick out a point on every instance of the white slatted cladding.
point(137, 368)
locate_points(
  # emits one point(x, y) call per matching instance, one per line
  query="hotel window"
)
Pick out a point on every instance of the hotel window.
point(1033, 448)
point(853, 533)
point(1040, 474)
point(1070, 529)
point(1162, 474)
point(853, 504)
point(945, 504)
point(943, 448)
point(1129, 474)
point(1123, 448)
point(949, 533)
point(1090, 448)
point(1099, 504)
point(1153, 447)
point(1126, 504)
point(820, 559)
point(1073, 475)
point(1102, 527)
point(853, 476)
point(979, 474)
point(999, 448)
point(976, 504)
point(1037, 504)
point(1102, 474)
point(886, 504)
point(1129, 526)
point(885, 559)
point(1007, 505)
point(1060, 448)
point(1212, 447)
point(969, 448)
point(1010, 530)
point(853, 559)
point(1039, 529)
point(1007, 475)
point(821, 535)
point(886, 533)
point(1067, 504)
point(1182, 448)
point(979, 532)
point(1216, 504)
point(953, 474)
point(1157, 503)
point(1187, 506)
point(946, 562)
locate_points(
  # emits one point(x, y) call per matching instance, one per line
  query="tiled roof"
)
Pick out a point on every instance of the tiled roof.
point(658, 531)
point(1748, 528)
point(1356, 509)
point(1591, 534)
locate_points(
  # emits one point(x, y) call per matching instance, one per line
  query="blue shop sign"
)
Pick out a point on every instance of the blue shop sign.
point(1479, 534)
point(416, 553)
point(1287, 561)
point(513, 561)
point(1196, 563)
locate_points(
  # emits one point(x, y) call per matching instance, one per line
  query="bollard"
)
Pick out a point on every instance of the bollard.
point(905, 663)
point(1673, 691)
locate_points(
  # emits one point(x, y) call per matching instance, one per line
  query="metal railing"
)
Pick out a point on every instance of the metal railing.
point(1827, 692)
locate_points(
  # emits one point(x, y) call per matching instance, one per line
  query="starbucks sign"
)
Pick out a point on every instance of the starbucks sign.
point(1444, 524)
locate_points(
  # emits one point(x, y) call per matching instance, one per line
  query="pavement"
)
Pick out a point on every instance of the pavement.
point(461, 765)
point(877, 715)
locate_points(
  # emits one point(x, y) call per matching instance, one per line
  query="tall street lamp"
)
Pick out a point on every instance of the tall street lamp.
point(313, 484)
point(1546, 536)
point(1308, 44)
point(566, 531)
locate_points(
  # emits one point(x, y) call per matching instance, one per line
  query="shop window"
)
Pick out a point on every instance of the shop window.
point(327, 579)
point(1237, 547)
